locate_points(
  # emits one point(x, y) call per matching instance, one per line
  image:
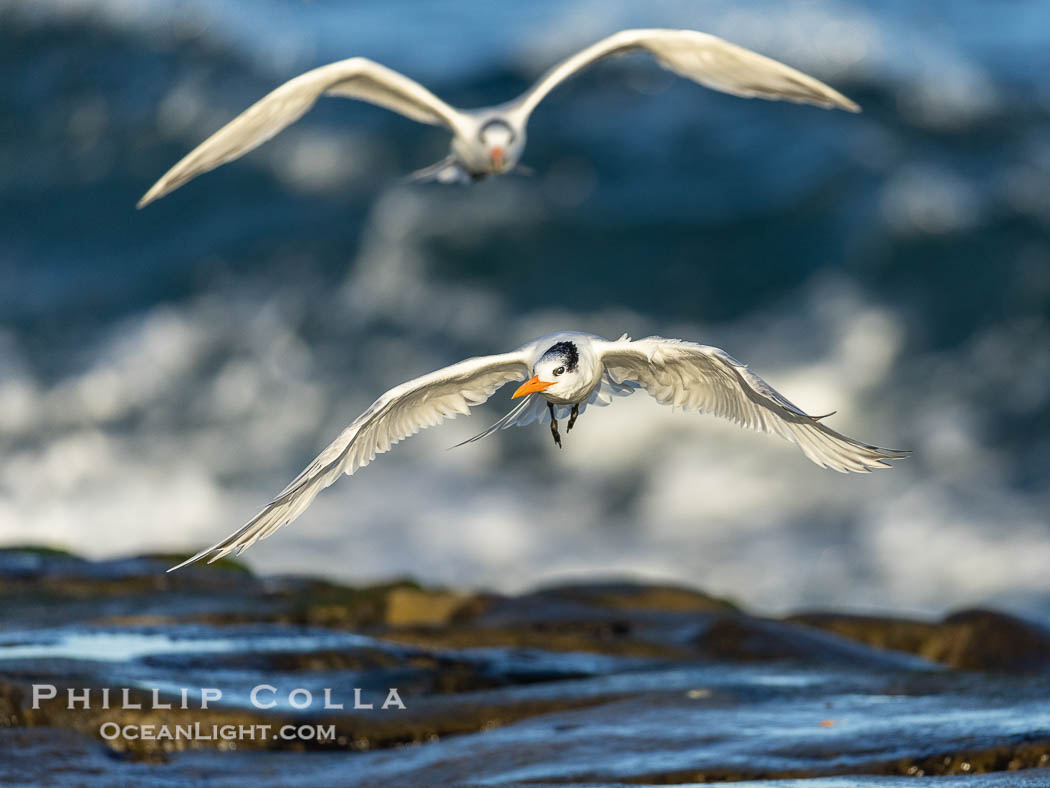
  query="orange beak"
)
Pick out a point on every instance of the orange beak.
point(531, 386)
point(496, 153)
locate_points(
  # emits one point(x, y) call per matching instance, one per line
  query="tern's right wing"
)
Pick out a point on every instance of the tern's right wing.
point(401, 412)
point(704, 378)
point(356, 78)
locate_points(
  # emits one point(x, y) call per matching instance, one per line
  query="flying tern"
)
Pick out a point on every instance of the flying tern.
point(490, 140)
point(563, 373)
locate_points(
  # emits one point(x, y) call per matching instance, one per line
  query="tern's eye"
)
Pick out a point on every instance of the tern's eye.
point(559, 370)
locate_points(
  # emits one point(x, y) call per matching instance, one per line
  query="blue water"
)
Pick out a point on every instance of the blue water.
point(164, 372)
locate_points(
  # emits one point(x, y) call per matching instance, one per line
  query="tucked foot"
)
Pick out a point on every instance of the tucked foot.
point(572, 417)
point(554, 425)
point(448, 170)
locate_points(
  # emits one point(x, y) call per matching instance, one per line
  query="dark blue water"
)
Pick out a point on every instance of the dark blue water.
point(164, 372)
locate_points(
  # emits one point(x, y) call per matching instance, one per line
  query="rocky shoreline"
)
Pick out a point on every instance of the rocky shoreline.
point(605, 683)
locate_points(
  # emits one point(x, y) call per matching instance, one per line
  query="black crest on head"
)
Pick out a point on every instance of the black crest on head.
point(567, 351)
point(495, 123)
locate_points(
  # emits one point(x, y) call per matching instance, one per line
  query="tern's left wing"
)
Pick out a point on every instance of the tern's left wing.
point(704, 378)
point(354, 78)
point(401, 412)
point(701, 57)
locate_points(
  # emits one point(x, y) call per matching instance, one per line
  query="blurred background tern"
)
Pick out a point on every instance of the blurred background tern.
point(491, 140)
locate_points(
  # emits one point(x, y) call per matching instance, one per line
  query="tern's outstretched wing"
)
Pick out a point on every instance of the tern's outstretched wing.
point(701, 57)
point(401, 412)
point(357, 78)
point(704, 378)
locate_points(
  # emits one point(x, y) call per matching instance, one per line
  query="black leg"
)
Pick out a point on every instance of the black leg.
point(572, 417)
point(554, 425)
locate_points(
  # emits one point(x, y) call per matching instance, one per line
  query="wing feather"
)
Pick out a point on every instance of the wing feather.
point(356, 78)
point(704, 378)
point(703, 58)
point(399, 413)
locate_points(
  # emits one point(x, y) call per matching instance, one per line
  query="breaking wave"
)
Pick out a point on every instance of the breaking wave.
point(163, 374)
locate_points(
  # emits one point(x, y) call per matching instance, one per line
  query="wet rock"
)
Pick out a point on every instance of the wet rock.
point(970, 639)
point(631, 595)
point(45, 567)
point(988, 640)
point(1011, 757)
point(39, 586)
point(750, 639)
point(406, 607)
point(607, 682)
point(619, 618)
point(31, 562)
point(46, 756)
point(11, 702)
point(899, 634)
point(308, 602)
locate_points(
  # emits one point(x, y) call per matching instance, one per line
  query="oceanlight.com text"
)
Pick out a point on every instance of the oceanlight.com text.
point(198, 732)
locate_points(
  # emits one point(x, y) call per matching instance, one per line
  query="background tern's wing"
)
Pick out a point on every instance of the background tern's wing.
point(703, 58)
point(357, 78)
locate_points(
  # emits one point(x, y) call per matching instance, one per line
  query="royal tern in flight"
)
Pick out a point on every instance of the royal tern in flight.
point(569, 370)
point(490, 140)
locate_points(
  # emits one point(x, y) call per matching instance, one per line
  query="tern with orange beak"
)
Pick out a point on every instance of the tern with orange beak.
point(491, 140)
point(563, 373)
